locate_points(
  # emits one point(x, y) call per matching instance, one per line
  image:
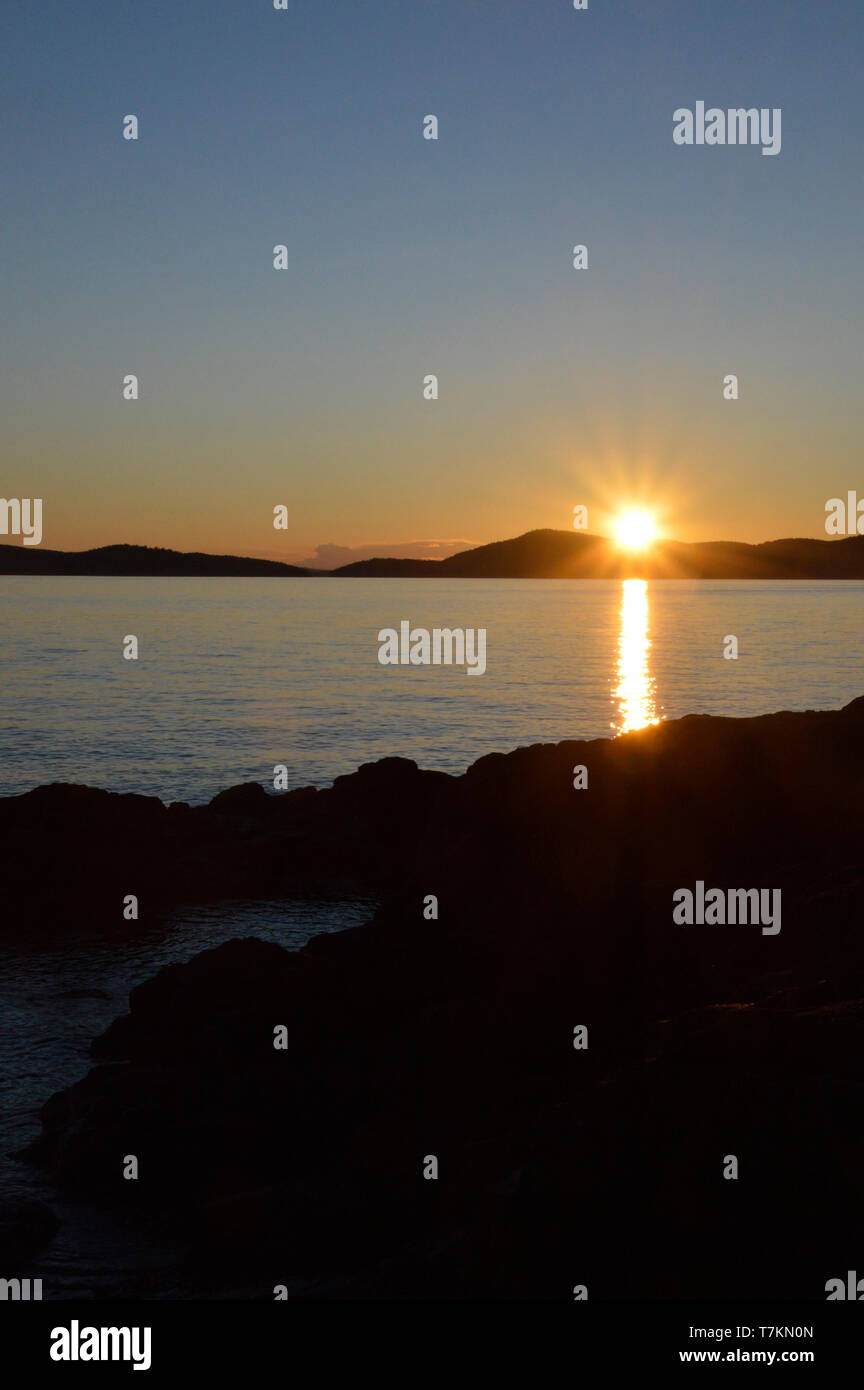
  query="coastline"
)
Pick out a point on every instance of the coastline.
point(453, 1035)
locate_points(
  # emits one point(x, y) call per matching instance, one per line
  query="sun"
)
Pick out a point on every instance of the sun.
point(635, 530)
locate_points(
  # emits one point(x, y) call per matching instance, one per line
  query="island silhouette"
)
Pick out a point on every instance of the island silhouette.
point(540, 554)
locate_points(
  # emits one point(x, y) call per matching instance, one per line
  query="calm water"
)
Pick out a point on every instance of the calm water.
point(235, 676)
point(55, 997)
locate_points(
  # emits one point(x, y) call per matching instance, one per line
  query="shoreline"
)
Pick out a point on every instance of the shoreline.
point(522, 1006)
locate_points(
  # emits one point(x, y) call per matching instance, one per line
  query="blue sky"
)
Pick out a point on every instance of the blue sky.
point(408, 257)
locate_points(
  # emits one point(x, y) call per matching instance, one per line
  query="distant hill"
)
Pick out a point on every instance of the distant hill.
point(137, 560)
point(575, 555)
point(387, 568)
point(536, 555)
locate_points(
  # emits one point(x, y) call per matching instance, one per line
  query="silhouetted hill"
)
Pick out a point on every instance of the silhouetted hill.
point(548, 554)
point(543, 554)
point(391, 569)
point(137, 560)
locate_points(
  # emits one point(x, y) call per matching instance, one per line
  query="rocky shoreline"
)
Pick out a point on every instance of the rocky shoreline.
point(453, 1035)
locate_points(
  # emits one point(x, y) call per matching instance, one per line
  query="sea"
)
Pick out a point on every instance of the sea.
point(236, 678)
point(55, 997)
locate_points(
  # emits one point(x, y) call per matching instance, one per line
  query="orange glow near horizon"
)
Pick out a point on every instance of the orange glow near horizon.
point(635, 689)
point(634, 530)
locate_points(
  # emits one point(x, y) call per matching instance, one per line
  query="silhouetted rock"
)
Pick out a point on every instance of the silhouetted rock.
point(453, 1037)
point(24, 1228)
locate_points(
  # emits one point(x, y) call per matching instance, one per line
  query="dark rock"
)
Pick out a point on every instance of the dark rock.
point(454, 1037)
point(24, 1228)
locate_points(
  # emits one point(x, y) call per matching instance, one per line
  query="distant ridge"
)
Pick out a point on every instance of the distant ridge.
point(544, 554)
point(143, 560)
point(568, 555)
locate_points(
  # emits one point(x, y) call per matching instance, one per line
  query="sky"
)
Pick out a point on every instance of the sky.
point(406, 257)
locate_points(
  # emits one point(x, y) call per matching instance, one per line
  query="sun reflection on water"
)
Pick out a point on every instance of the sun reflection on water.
point(634, 693)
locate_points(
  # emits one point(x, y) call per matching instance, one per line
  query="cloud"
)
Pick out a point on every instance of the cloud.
point(329, 557)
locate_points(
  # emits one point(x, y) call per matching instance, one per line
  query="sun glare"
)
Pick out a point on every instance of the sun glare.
point(635, 530)
point(635, 690)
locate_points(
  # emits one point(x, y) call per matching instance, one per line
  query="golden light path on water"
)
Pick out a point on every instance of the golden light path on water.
point(635, 691)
